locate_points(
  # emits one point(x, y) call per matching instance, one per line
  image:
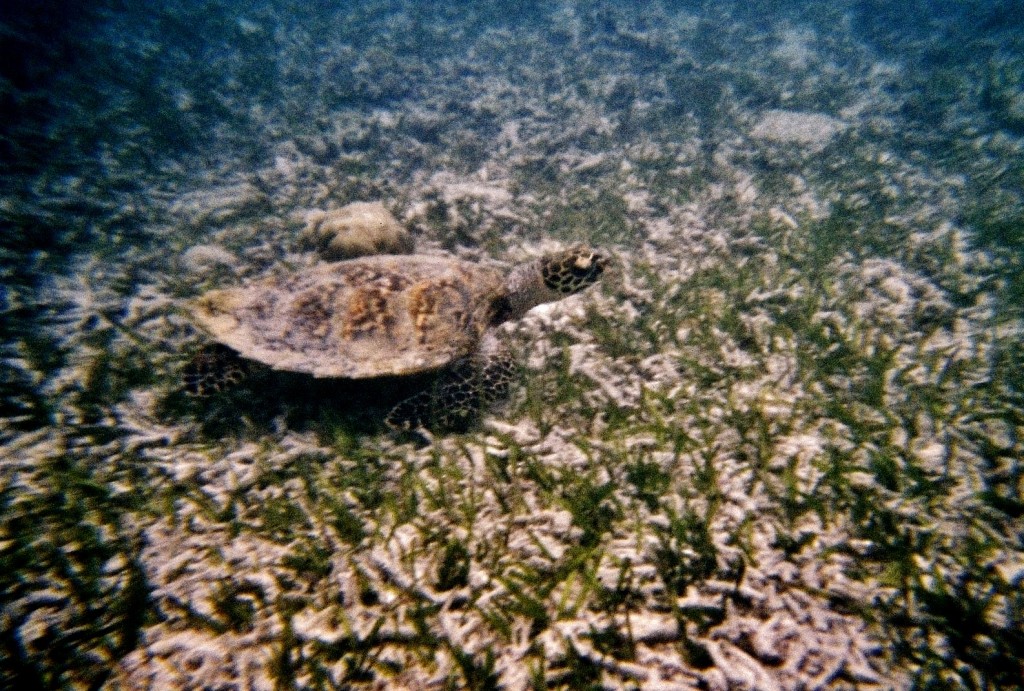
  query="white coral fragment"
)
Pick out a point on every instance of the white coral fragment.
point(813, 130)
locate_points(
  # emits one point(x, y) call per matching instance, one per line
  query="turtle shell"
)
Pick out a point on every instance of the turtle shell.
point(367, 317)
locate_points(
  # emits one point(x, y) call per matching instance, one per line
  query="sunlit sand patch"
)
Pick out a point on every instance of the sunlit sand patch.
point(813, 130)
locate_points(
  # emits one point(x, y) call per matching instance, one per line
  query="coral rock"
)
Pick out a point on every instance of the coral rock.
point(356, 230)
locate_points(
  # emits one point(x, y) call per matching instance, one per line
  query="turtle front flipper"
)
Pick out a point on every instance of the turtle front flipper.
point(499, 369)
point(458, 396)
point(212, 370)
point(452, 403)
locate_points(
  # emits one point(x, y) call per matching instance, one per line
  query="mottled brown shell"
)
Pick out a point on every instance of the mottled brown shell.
point(359, 318)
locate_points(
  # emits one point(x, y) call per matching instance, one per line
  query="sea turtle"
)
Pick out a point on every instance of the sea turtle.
point(393, 315)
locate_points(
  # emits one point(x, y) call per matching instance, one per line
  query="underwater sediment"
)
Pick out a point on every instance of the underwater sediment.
point(778, 447)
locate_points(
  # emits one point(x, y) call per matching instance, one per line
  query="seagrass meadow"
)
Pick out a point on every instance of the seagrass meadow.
point(778, 446)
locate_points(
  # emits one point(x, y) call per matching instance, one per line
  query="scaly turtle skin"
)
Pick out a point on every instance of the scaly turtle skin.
point(393, 315)
point(463, 389)
point(213, 370)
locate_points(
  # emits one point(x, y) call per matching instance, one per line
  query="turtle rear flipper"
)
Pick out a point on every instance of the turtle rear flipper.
point(214, 369)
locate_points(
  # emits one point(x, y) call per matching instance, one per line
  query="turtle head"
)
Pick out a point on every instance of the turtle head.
point(552, 277)
point(570, 271)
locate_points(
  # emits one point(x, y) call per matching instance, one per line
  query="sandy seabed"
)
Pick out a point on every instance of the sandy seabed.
point(777, 448)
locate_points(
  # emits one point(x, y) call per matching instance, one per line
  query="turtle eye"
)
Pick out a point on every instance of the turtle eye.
point(573, 270)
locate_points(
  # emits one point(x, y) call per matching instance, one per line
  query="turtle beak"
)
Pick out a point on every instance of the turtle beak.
point(583, 263)
point(591, 262)
point(587, 266)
